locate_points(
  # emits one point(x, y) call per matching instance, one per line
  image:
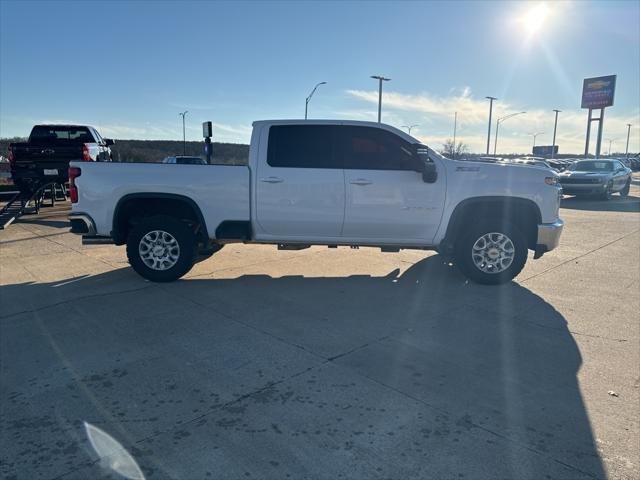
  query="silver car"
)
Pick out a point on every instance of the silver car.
point(601, 177)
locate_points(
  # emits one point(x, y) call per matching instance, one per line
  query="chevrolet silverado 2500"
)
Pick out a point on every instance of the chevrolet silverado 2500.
point(321, 183)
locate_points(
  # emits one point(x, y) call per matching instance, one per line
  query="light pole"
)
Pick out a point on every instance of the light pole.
point(555, 127)
point(306, 102)
point(610, 142)
point(409, 127)
point(502, 119)
point(455, 126)
point(184, 141)
point(491, 99)
point(535, 135)
point(626, 152)
point(380, 80)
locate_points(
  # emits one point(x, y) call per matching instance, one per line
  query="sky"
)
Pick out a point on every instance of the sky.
point(129, 68)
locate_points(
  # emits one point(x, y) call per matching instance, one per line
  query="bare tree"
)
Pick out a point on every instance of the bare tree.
point(454, 151)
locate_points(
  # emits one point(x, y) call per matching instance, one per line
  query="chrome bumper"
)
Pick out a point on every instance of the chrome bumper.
point(548, 237)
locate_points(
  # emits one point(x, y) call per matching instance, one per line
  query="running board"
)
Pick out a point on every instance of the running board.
point(96, 240)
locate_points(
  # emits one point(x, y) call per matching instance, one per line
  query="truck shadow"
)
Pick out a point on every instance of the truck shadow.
point(617, 203)
point(493, 369)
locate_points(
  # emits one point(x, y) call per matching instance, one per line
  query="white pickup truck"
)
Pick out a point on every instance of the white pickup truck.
point(321, 183)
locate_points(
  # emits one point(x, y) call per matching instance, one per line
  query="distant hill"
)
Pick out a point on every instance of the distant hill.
point(149, 151)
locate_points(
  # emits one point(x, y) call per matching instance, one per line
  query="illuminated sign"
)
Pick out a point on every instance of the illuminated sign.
point(598, 92)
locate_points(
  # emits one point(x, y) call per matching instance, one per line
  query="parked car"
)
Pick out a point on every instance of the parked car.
point(49, 149)
point(184, 160)
point(601, 177)
point(322, 183)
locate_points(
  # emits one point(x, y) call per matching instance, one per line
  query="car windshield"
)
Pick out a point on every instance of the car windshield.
point(592, 166)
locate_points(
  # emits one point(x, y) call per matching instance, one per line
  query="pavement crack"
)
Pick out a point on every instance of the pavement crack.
point(579, 256)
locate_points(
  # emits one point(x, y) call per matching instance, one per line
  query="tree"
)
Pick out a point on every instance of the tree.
point(454, 151)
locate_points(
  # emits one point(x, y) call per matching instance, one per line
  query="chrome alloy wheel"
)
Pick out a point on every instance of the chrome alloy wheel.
point(159, 250)
point(493, 252)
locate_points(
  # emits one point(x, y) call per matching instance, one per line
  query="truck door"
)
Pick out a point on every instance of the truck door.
point(386, 196)
point(300, 192)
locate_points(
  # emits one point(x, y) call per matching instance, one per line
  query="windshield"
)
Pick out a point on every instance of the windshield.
point(592, 166)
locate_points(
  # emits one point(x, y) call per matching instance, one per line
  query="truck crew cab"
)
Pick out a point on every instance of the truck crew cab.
point(322, 183)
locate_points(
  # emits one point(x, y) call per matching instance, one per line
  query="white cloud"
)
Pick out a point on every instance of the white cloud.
point(435, 114)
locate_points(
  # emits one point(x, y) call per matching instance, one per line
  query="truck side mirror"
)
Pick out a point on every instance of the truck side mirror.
point(108, 142)
point(429, 172)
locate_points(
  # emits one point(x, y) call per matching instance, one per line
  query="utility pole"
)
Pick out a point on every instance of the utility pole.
point(626, 152)
point(184, 140)
point(555, 127)
point(306, 102)
point(491, 99)
point(534, 139)
point(380, 80)
point(455, 125)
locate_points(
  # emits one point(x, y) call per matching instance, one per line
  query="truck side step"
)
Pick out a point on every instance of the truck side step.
point(289, 246)
point(96, 240)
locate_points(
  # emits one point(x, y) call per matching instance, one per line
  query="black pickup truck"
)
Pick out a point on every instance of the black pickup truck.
point(46, 155)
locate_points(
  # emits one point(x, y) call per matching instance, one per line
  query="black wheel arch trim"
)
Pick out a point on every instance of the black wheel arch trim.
point(150, 195)
point(457, 216)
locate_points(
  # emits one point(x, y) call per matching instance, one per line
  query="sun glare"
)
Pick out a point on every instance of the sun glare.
point(534, 18)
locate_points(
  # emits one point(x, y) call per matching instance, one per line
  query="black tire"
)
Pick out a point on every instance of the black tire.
point(464, 258)
point(625, 191)
point(606, 195)
point(181, 233)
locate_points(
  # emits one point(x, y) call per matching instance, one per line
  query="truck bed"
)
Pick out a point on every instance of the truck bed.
point(220, 191)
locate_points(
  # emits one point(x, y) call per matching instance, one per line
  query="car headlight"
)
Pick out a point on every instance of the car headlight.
point(551, 180)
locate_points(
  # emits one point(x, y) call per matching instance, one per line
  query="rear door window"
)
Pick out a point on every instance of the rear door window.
point(61, 134)
point(302, 146)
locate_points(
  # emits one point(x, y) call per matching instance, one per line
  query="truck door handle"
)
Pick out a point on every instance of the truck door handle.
point(360, 181)
point(272, 180)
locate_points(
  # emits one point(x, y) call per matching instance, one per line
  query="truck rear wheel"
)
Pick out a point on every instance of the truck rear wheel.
point(491, 253)
point(161, 248)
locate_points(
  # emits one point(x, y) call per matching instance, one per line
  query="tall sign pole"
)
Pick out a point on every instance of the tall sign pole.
point(597, 94)
point(491, 99)
point(626, 152)
point(455, 126)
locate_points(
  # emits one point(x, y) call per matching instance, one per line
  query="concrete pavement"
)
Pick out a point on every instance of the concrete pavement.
point(321, 363)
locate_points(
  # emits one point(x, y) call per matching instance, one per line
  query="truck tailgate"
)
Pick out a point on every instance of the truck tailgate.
point(221, 192)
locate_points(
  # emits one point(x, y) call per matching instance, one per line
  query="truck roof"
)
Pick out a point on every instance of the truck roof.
point(357, 123)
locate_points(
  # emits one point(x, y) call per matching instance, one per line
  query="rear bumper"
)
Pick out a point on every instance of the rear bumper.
point(548, 237)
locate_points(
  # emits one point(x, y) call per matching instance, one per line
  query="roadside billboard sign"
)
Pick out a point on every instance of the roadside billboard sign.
point(598, 92)
point(545, 150)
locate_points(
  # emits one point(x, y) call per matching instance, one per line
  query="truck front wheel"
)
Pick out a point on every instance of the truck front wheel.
point(491, 253)
point(161, 248)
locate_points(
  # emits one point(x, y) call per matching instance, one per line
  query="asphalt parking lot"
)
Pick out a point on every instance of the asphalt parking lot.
point(322, 364)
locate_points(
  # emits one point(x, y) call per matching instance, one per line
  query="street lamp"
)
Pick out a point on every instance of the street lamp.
point(610, 142)
point(555, 127)
point(535, 135)
point(380, 80)
point(306, 102)
point(502, 119)
point(409, 127)
point(626, 152)
point(184, 141)
point(491, 99)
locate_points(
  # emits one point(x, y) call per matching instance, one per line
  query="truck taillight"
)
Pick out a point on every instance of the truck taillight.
point(74, 172)
point(86, 156)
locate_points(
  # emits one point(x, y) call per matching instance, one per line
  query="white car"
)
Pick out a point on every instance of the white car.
point(322, 183)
